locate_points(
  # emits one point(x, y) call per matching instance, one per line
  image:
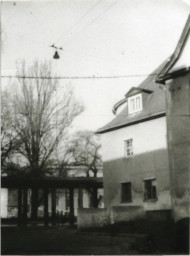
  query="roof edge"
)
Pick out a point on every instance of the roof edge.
point(144, 119)
point(177, 52)
point(174, 74)
point(118, 104)
point(140, 89)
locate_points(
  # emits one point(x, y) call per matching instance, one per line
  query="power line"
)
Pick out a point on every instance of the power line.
point(45, 43)
point(27, 37)
point(92, 21)
point(77, 77)
point(80, 19)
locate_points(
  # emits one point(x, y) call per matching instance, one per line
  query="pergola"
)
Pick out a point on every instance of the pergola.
point(49, 185)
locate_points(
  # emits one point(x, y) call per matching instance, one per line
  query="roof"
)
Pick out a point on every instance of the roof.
point(164, 72)
point(135, 90)
point(153, 107)
point(155, 102)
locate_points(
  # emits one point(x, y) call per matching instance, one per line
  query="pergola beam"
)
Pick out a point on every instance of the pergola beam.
point(50, 182)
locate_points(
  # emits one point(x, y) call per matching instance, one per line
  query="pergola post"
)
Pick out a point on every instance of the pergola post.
point(80, 197)
point(34, 204)
point(46, 207)
point(53, 206)
point(95, 198)
point(19, 207)
point(25, 205)
point(71, 206)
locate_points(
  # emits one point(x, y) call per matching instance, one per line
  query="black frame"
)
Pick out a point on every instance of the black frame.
point(126, 192)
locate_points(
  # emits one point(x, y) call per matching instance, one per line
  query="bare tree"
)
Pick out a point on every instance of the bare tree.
point(85, 151)
point(43, 111)
point(10, 141)
point(41, 115)
point(59, 166)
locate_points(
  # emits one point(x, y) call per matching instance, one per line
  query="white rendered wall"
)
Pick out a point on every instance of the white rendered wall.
point(4, 202)
point(147, 136)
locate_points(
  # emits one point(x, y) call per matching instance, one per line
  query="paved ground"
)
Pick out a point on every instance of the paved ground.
point(63, 240)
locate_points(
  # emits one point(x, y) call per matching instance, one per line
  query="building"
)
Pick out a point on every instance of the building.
point(134, 150)
point(175, 76)
point(146, 146)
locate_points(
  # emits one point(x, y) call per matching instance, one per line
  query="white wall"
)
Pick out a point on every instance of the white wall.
point(4, 202)
point(92, 217)
point(147, 136)
point(86, 201)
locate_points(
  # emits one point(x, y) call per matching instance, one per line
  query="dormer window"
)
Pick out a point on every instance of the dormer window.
point(135, 103)
point(134, 97)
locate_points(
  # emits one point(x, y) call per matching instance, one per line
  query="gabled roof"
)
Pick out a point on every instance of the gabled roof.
point(153, 107)
point(164, 73)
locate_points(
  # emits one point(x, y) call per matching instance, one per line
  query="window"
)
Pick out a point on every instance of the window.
point(126, 195)
point(150, 189)
point(135, 103)
point(128, 150)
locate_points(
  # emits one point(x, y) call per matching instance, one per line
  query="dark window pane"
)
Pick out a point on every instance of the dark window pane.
point(126, 195)
point(154, 192)
point(149, 190)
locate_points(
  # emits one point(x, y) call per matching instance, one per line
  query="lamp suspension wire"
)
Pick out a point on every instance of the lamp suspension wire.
point(92, 21)
point(79, 20)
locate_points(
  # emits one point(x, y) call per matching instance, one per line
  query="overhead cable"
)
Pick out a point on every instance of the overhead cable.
point(79, 20)
point(76, 77)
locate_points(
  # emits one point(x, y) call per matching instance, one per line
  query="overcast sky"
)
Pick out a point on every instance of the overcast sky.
point(100, 38)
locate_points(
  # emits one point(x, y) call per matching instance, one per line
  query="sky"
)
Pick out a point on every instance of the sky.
point(99, 38)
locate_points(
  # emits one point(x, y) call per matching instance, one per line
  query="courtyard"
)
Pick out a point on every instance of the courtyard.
point(133, 238)
point(62, 240)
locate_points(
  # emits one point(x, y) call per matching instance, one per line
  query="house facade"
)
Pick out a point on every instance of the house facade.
point(146, 146)
point(135, 155)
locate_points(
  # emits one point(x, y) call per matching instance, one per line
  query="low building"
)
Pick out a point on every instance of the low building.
point(9, 196)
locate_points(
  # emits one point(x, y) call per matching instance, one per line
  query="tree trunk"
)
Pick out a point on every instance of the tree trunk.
point(34, 204)
point(95, 171)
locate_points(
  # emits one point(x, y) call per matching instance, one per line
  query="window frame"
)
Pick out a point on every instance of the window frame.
point(134, 108)
point(128, 146)
point(153, 193)
point(122, 199)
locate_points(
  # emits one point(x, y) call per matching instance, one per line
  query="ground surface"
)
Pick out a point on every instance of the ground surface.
point(62, 240)
point(135, 238)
